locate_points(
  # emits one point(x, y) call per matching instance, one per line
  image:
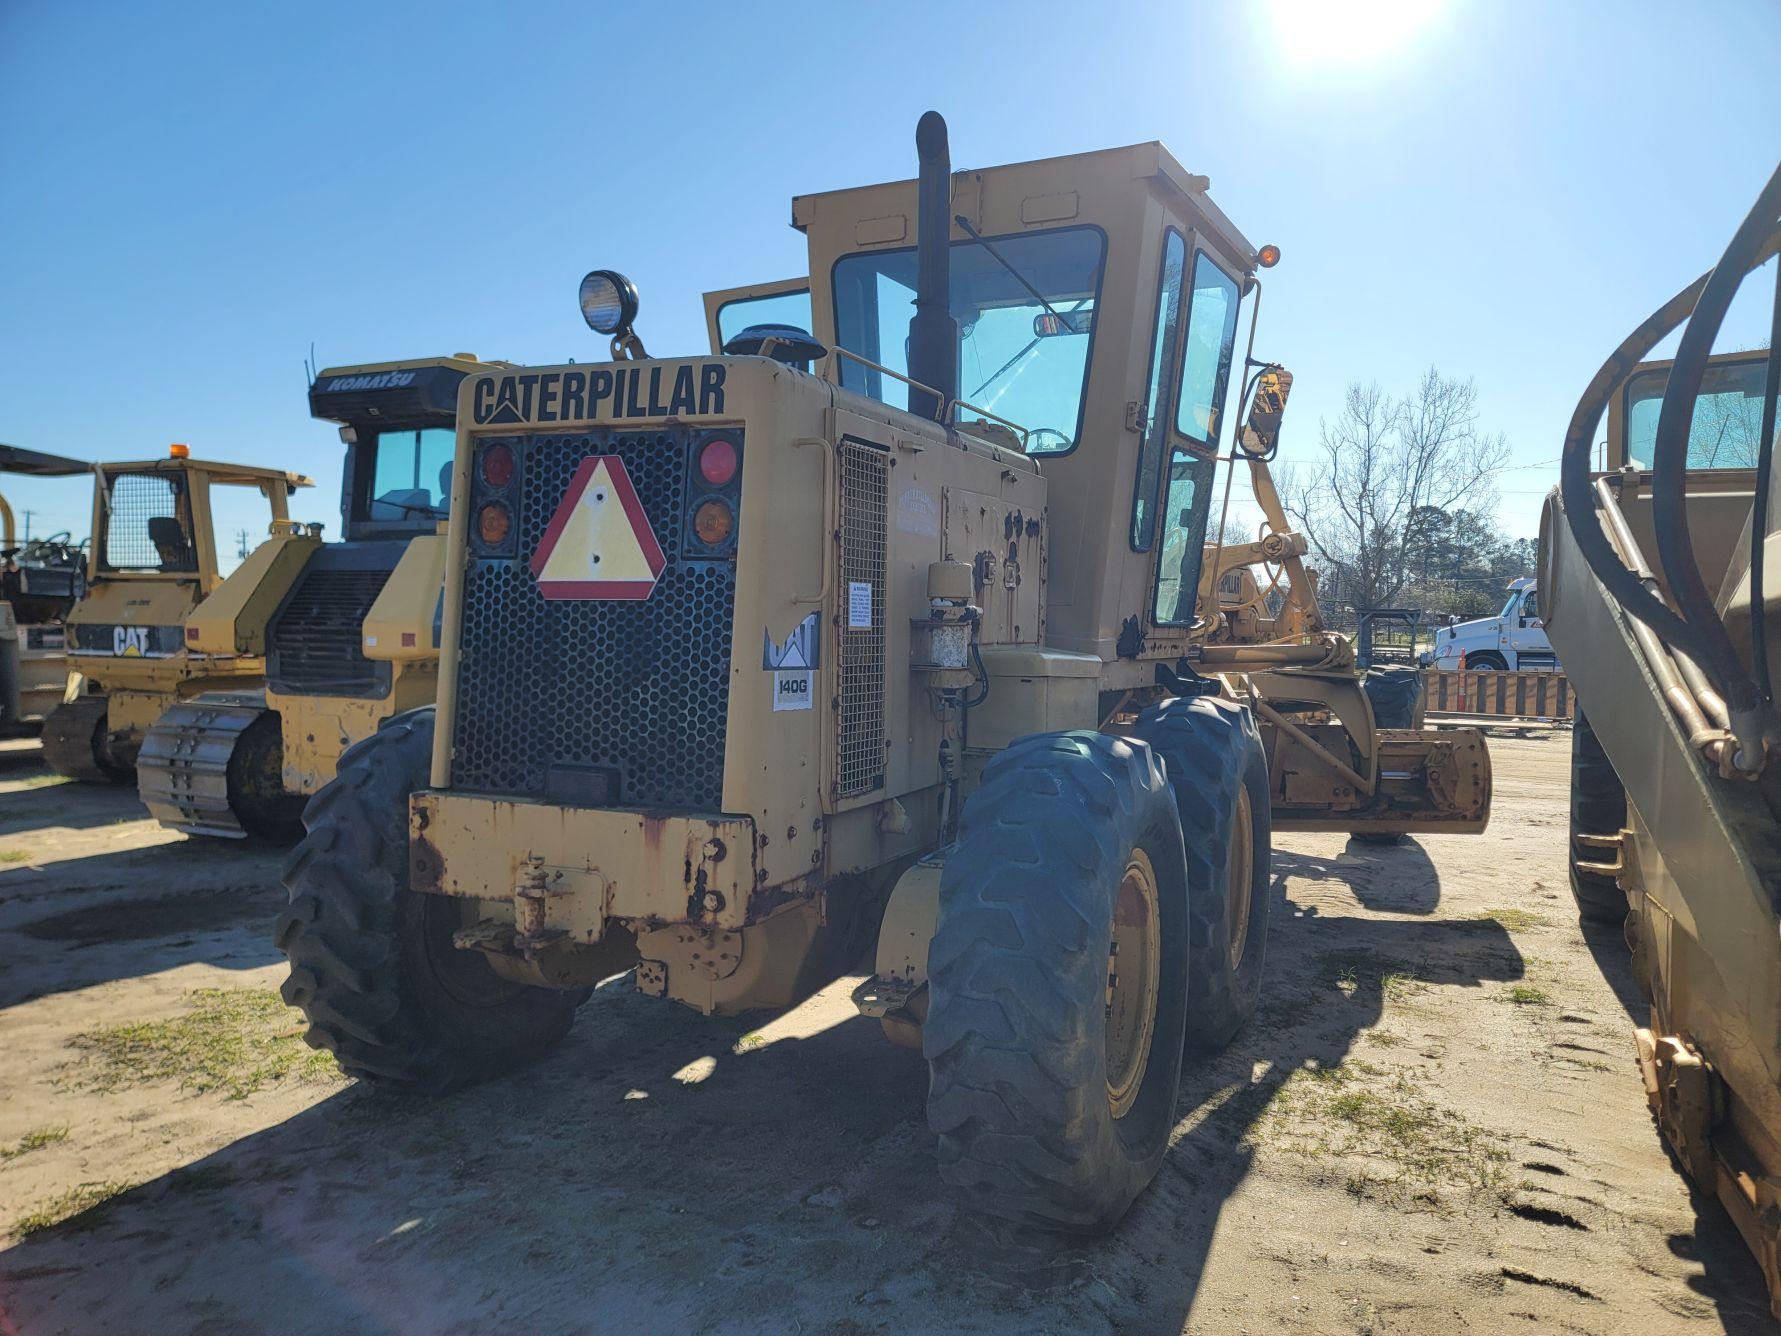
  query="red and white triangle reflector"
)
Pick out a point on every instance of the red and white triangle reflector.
point(599, 543)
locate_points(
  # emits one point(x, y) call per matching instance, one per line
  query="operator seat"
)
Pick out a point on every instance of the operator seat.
point(171, 544)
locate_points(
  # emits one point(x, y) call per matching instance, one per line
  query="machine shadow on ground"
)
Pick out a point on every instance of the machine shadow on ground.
point(25, 812)
point(1388, 879)
point(76, 922)
point(656, 1148)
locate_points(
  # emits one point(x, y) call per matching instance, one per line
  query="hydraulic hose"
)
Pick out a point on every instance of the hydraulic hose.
point(1640, 603)
point(1713, 648)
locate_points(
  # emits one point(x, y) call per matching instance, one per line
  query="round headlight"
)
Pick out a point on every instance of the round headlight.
point(608, 301)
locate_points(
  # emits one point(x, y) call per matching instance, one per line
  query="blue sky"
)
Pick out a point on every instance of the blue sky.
point(192, 194)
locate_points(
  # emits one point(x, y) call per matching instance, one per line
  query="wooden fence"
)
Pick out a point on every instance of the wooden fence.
point(1509, 695)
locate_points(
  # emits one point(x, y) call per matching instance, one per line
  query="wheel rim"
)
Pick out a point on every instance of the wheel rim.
point(1239, 884)
point(1134, 961)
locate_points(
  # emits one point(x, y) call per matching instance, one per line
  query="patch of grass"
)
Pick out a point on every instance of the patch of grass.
point(1515, 920)
point(41, 781)
point(1400, 1145)
point(14, 856)
point(1526, 995)
point(753, 1039)
point(35, 1139)
point(231, 1039)
point(83, 1199)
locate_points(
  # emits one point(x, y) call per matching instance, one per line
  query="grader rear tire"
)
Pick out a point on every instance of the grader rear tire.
point(1394, 694)
point(373, 968)
point(1598, 807)
point(1058, 983)
point(1219, 774)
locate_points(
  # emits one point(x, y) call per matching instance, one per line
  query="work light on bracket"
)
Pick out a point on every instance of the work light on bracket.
point(609, 305)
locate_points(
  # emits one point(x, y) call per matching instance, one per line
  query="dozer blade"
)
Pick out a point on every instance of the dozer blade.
point(74, 739)
point(182, 772)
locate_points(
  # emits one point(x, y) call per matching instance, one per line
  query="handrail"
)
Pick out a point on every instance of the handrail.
point(946, 404)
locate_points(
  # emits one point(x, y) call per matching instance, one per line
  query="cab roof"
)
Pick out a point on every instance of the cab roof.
point(248, 475)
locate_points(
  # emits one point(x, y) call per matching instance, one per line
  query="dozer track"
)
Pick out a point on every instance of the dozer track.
point(74, 742)
point(205, 768)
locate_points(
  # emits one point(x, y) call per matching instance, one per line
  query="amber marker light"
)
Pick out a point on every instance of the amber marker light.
point(493, 522)
point(1268, 256)
point(179, 451)
point(713, 522)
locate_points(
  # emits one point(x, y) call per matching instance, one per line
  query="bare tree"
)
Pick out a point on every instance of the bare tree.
point(1382, 468)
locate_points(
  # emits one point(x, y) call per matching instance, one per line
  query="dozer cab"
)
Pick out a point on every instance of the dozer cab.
point(1660, 578)
point(153, 560)
point(753, 659)
point(41, 580)
point(349, 630)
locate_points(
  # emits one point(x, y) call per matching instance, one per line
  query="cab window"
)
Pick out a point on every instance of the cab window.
point(1211, 342)
point(1727, 425)
point(410, 475)
point(1186, 501)
point(1156, 395)
point(148, 524)
point(1026, 326)
point(776, 308)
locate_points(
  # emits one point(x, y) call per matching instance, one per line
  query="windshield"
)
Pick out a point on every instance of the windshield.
point(1017, 358)
point(410, 474)
point(1727, 422)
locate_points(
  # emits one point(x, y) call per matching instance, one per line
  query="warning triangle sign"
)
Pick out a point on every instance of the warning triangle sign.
point(599, 543)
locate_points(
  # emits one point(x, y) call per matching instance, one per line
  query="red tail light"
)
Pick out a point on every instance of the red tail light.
point(717, 462)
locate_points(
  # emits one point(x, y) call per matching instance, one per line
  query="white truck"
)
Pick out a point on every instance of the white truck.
point(1513, 639)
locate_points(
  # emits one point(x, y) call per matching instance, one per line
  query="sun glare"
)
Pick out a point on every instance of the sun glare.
point(1345, 32)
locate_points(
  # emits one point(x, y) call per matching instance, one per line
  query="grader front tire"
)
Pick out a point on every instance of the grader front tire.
point(1219, 774)
point(373, 968)
point(1057, 983)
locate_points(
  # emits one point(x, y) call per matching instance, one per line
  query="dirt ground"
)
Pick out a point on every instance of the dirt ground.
point(1435, 1124)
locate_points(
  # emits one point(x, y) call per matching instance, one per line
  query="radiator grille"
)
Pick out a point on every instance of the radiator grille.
point(865, 474)
point(639, 689)
point(316, 646)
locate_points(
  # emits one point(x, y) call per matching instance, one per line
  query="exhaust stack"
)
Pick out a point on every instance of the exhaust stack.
point(933, 333)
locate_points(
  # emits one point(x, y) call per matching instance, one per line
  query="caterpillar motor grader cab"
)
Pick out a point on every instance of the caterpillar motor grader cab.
point(1661, 583)
point(349, 630)
point(743, 663)
point(153, 560)
point(40, 582)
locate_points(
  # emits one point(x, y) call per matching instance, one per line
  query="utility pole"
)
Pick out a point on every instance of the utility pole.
point(241, 544)
point(28, 515)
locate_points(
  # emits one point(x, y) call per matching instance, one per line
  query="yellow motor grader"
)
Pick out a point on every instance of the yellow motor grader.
point(153, 560)
point(40, 582)
point(349, 630)
point(885, 628)
point(1661, 598)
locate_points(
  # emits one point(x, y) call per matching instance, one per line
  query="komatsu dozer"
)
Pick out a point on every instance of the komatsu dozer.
point(153, 560)
point(41, 580)
point(753, 660)
point(1658, 589)
point(349, 630)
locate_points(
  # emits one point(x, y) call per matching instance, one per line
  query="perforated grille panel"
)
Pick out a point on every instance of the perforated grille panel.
point(636, 689)
point(865, 474)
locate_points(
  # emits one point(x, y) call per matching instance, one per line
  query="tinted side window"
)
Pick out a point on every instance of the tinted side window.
point(1185, 505)
point(1211, 340)
point(1156, 405)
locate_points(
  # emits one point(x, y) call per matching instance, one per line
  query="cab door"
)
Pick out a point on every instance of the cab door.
point(731, 310)
point(1524, 634)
